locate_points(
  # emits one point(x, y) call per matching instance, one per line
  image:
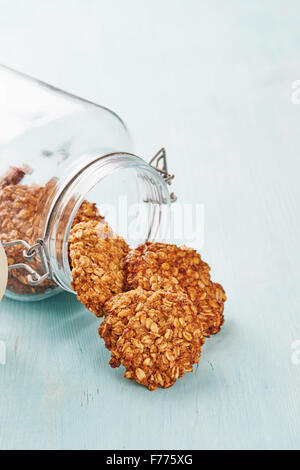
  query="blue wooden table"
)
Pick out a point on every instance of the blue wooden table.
point(213, 82)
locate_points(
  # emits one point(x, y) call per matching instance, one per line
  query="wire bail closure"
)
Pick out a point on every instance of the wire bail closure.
point(34, 277)
point(160, 164)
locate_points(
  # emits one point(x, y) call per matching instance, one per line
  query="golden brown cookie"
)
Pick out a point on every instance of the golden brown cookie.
point(156, 336)
point(18, 208)
point(118, 311)
point(21, 218)
point(87, 211)
point(98, 263)
point(17, 212)
point(155, 266)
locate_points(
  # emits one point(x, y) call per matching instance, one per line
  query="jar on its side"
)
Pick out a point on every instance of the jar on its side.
point(61, 155)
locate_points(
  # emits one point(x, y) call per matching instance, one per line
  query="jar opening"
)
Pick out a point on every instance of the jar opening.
point(132, 197)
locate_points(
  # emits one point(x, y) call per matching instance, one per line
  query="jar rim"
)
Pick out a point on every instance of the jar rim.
point(66, 183)
point(74, 189)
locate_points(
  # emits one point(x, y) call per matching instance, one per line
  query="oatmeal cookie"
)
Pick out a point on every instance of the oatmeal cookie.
point(18, 205)
point(98, 263)
point(87, 211)
point(22, 215)
point(155, 266)
point(156, 336)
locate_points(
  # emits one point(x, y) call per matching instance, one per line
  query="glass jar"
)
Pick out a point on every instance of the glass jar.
point(58, 151)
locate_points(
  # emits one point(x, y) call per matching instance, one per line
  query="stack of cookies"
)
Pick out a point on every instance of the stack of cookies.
point(158, 301)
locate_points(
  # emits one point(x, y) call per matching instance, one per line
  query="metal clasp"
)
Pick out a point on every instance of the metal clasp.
point(159, 163)
point(34, 277)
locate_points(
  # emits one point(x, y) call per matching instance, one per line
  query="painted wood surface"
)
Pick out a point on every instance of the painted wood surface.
point(212, 81)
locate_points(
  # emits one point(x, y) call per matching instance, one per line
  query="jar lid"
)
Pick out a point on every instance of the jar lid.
point(3, 271)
